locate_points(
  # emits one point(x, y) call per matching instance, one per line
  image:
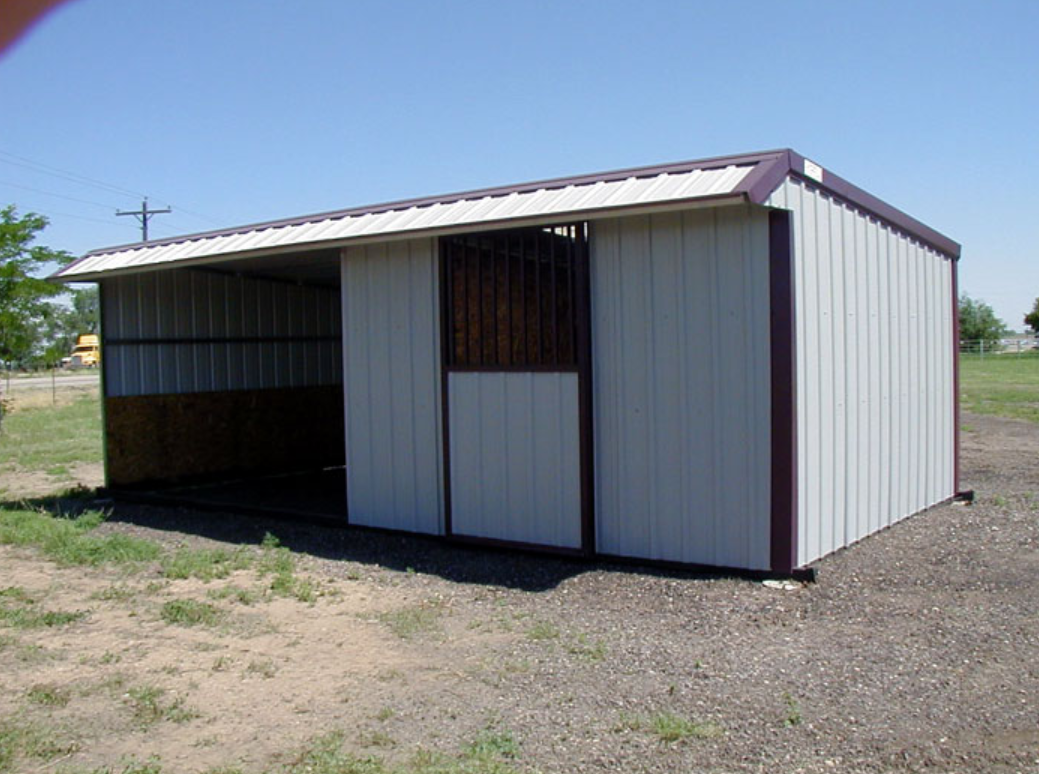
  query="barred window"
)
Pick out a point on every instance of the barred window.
point(510, 298)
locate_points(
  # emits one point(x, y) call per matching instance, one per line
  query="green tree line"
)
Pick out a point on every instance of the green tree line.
point(39, 320)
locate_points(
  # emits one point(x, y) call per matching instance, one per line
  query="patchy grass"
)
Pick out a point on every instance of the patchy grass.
point(190, 612)
point(49, 695)
point(588, 649)
point(414, 620)
point(71, 541)
point(1004, 385)
point(669, 727)
point(21, 740)
point(148, 705)
point(20, 611)
point(543, 630)
point(265, 668)
point(279, 564)
point(793, 711)
point(52, 437)
point(206, 564)
point(236, 594)
point(491, 752)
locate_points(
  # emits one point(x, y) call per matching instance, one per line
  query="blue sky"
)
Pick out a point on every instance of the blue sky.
point(234, 111)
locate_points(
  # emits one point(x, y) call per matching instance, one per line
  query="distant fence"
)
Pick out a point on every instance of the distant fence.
point(1001, 348)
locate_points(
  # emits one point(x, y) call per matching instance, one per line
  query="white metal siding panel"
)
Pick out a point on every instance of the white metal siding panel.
point(515, 457)
point(391, 351)
point(185, 305)
point(874, 370)
point(680, 341)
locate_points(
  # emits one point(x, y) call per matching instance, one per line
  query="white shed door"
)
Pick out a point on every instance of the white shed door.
point(516, 364)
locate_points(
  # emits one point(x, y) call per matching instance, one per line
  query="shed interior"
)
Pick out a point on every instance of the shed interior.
point(223, 384)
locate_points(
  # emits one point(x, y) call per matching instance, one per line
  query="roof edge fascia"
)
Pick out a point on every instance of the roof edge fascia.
point(760, 184)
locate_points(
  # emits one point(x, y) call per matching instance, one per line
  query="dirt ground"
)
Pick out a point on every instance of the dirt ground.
point(916, 650)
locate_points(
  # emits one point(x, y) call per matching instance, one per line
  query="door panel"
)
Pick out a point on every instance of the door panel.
point(515, 457)
point(516, 371)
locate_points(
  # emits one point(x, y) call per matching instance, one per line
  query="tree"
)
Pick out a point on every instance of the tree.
point(26, 301)
point(1032, 318)
point(82, 315)
point(978, 322)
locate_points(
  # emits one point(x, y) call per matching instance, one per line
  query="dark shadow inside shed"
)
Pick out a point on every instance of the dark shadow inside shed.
point(224, 384)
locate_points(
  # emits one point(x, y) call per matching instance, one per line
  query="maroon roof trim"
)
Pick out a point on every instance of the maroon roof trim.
point(863, 200)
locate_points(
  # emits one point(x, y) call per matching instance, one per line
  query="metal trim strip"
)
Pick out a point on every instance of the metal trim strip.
point(783, 357)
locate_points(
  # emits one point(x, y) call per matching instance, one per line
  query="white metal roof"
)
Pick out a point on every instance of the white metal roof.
point(501, 207)
point(744, 178)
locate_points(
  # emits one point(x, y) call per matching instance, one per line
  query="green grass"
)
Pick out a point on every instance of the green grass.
point(20, 740)
point(190, 612)
point(1004, 385)
point(45, 438)
point(49, 695)
point(70, 541)
point(669, 727)
point(543, 630)
point(148, 705)
point(278, 563)
point(206, 564)
point(412, 621)
point(491, 752)
point(19, 610)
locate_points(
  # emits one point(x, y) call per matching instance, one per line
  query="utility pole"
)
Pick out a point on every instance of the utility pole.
point(143, 215)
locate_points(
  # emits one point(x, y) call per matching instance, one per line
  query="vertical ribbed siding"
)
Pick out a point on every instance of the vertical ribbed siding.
point(391, 351)
point(198, 318)
point(515, 459)
point(680, 341)
point(874, 373)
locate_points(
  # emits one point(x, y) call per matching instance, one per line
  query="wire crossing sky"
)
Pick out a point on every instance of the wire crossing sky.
point(236, 112)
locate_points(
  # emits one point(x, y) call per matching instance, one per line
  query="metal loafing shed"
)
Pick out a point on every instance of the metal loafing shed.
point(743, 362)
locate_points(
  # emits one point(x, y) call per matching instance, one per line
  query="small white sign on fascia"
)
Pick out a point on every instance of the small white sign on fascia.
point(813, 171)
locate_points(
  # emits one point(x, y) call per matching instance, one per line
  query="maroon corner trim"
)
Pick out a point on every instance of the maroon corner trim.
point(954, 265)
point(585, 408)
point(783, 533)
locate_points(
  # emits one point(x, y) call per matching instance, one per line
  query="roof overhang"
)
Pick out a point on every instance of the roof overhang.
point(713, 182)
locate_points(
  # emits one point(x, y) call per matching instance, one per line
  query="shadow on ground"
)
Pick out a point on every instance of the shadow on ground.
point(506, 568)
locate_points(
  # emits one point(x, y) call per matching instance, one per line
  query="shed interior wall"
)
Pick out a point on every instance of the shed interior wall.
point(681, 384)
point(210, 376)
point(875, 408)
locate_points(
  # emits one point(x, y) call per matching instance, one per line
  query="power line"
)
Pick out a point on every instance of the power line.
point(65, 174)
point(52, 213)
point(75, 177)
point(58, 195)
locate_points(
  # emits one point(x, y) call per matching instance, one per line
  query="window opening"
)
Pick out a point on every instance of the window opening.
point(511, 298)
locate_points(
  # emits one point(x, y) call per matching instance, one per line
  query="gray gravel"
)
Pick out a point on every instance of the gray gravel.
point(916, 650)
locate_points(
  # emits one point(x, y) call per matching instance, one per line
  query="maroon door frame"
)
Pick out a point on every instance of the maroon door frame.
point(583, 352)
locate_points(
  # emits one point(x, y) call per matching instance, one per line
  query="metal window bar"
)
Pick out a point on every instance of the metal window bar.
point(490, 316)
